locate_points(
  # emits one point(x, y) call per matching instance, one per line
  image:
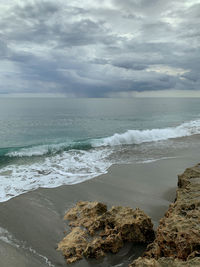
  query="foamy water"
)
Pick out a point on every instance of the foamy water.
point(8, 238)
point(52, 142)
point(59, 164)
point(69, 167)
point(153, 135)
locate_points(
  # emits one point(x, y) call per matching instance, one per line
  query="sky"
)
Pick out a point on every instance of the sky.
point(97, 48)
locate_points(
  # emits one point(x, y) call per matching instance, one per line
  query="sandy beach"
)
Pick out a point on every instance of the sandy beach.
point(32, 224)
point(99, 102)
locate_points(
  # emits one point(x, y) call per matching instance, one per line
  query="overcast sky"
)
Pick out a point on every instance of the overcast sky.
point(97, 48)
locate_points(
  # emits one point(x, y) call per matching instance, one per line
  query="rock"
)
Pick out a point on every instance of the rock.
point(133, 225)
point(86, 214)
point(102, 231)
point(94, 249)
point(111, 242)
point(73, 245)
point(165, 262)
point(178, 234)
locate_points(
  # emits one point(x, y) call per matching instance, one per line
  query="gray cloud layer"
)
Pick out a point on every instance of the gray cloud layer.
point(95, 48)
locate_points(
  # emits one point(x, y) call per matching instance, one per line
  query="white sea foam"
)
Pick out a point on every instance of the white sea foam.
point(75, 166)
point(39, 150)
point(44, 258)
point(127, 138)
point(142, 136)
point(8, 238)
point(68, 167)
point(154, 160)
point(29, 152)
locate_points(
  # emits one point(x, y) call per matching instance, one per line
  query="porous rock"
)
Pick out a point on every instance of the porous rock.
point(165, 262)
point(74, 244)
point(178, 234)
point(103, 230)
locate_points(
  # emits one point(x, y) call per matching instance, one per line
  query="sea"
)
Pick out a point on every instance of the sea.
point(48, 142)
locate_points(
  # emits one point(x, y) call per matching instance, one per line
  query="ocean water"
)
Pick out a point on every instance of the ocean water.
point(48, 142)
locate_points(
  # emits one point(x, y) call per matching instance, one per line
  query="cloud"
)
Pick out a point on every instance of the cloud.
point(99, 48)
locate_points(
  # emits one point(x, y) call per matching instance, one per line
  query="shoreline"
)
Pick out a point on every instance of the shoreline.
point(35, 219)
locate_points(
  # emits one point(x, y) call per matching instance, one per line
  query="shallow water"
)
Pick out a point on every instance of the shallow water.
point(50, 142)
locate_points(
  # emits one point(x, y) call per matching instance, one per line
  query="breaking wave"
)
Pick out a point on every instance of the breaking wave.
point(27, 168)
point(50, 149)
point(68, 167)
point(128, 138)
point(143, 136)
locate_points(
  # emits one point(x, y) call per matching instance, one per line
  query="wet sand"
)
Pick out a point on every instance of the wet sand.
point(34, 220)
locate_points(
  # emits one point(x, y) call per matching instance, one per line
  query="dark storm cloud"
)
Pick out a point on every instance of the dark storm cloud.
point(99, 47)
point(39, 22)
point(85, 32)
point(3, 49)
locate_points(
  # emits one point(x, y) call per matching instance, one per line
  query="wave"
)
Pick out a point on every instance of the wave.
point(127, 138)
point(53, 165)
point(153, 135)
point(68, 167)
point(50, 149)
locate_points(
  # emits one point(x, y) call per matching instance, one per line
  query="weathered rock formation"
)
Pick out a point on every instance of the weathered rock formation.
point(165, 262)
point(95, 230)
point(74, 244)
point(177, 240)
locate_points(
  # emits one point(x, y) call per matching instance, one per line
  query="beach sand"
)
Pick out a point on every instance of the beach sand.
point(34, 220)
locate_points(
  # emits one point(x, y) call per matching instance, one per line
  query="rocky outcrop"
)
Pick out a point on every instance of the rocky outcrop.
point(165, 262)
point(96, 230)
point(74, 244)
point(177, 240)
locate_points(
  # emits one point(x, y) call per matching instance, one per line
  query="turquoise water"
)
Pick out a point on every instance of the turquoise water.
point(46, 142)
point(27, 122)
